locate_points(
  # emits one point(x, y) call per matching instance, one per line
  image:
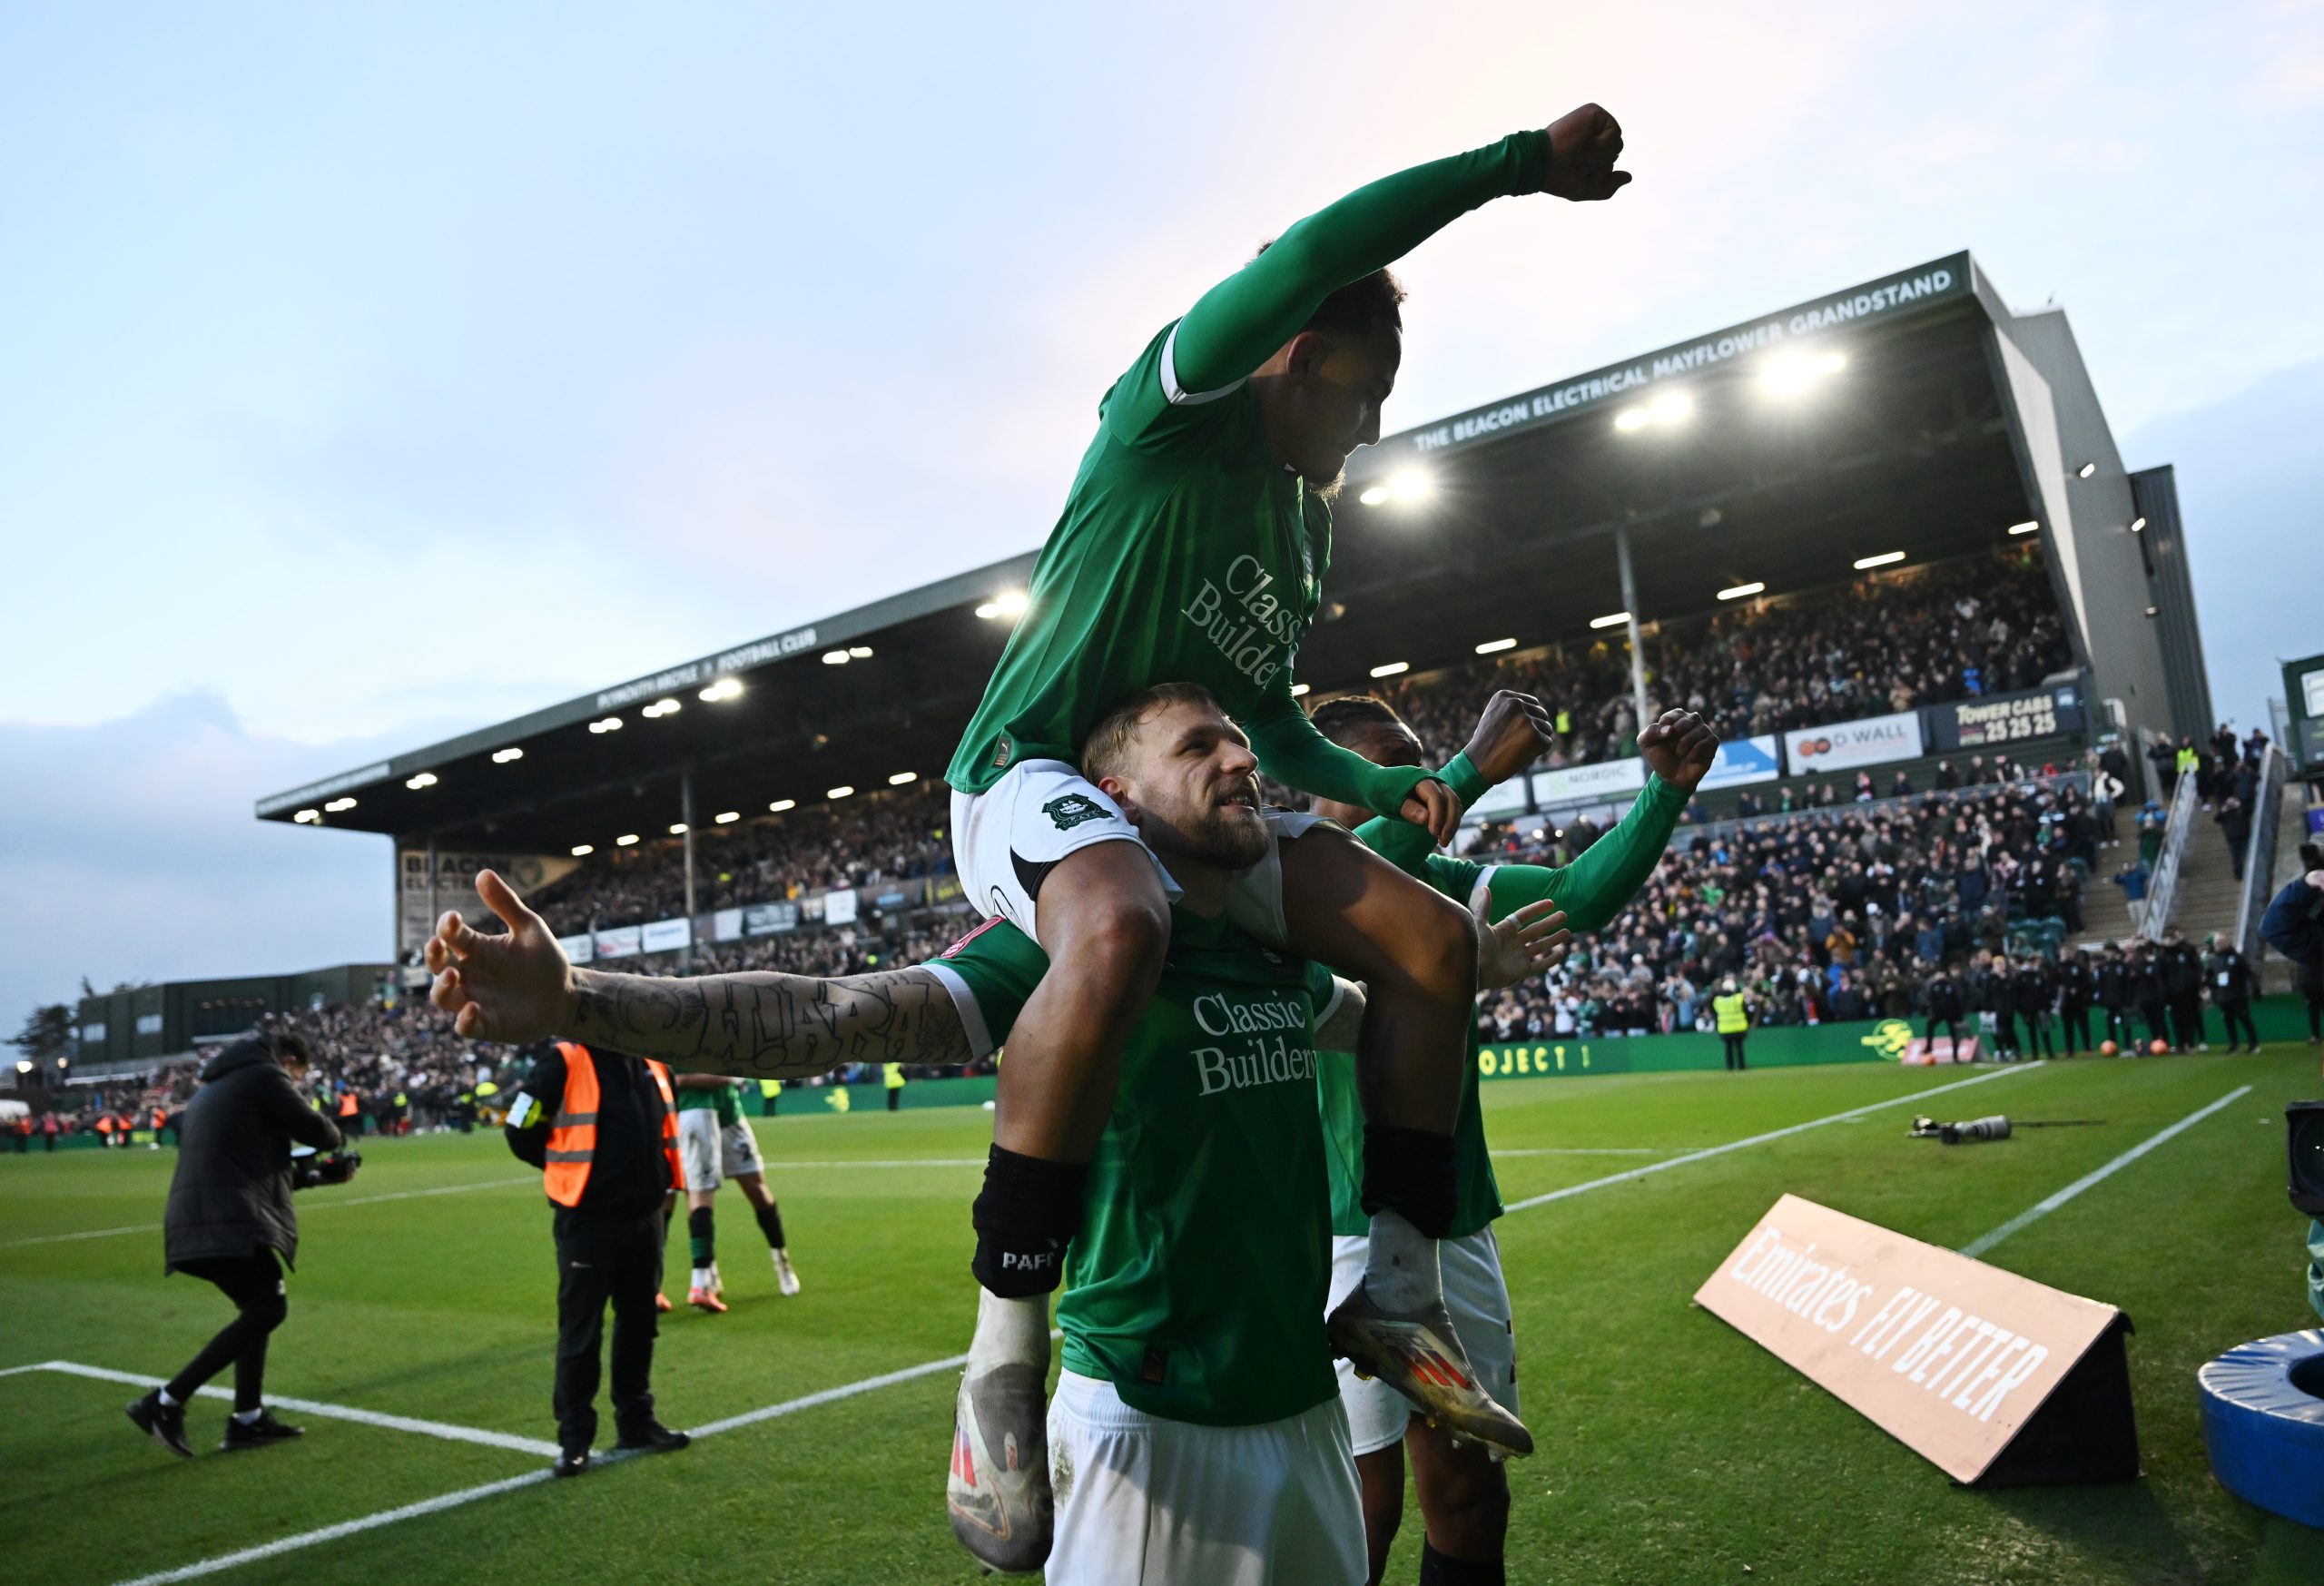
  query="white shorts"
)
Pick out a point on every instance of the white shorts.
point(1007, 839)
point(1141, 1499)
point(710, 1155)
point(1478, 1301)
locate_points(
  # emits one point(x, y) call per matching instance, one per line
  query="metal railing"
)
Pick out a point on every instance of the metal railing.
point(2260, 854)
point(2162, 888)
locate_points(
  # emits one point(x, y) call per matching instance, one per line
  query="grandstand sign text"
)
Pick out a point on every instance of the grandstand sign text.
point(1913, 289)
point(1985, 723)
point(1947, 1354)
point(742, 658)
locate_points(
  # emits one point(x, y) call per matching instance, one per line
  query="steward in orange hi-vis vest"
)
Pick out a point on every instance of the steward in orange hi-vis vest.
point(603, 1129)
point(573, 1134)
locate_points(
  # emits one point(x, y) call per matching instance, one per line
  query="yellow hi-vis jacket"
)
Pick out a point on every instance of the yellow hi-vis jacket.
point(1729, 1009)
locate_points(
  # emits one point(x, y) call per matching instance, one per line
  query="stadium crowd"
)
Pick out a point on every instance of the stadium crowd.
point(889, 834)
point(1950, 904)
point(1888, 642)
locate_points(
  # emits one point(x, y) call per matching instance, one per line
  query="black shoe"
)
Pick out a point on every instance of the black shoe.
point(260, 1432)
point(652, 1437)
point(571, 1462)
point(164, 1423)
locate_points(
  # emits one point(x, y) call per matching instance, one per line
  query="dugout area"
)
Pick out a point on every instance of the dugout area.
point(1672, 1447)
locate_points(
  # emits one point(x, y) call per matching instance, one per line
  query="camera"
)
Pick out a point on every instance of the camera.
point(311, 1168)
point(2305, 1132)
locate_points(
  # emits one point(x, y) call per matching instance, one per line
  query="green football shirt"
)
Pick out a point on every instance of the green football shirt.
point(1592, 890)
point(721, 1099)
point(1197, 1283)
point(1185, 551)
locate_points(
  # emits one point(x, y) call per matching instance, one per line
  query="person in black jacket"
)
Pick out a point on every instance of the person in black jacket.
point(228, 1220)
point(2075, 983)
point(2235, 824)
point(1944, 1009)
point(2001, 996)
point(2146, 990)
point(602, 1126)
point(2294, 926)
point(2231, 985)
point(2110, 985)
point(2181, 969)
point(2034, 994)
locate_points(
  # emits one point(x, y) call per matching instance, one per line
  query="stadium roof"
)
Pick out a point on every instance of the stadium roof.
point(1780, 451)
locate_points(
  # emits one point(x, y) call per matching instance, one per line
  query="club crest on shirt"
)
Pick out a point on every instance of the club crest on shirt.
point(1072, 809)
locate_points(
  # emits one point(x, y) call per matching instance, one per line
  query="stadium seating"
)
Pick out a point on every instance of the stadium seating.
point(1888, 642)
point(1824, 915)
point(888, 835)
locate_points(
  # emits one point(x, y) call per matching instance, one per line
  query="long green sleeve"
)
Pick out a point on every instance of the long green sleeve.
point(1407, 846)
point(1294, 753)
point(1238, 324)
point(1599, 885)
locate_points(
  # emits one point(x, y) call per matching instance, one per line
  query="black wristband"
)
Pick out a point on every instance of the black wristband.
point(1410, 1172)
point(1025, 1214)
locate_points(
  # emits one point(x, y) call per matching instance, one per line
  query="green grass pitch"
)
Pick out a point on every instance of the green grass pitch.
point(1670, 1448)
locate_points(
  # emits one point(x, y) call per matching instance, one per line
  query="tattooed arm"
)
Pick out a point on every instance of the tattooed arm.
point(519, 988)
point(768, 1026)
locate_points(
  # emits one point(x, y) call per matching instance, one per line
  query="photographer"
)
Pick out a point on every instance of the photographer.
point(228, 1219)
point(2294, 927)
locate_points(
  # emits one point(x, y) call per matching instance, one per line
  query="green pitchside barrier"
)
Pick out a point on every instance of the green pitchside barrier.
point(2281, 1023)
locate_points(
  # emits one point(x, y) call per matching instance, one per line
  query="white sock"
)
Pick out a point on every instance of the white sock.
point(702, 1277)
point(250, 1417)
point(164, 1395)
point(1399, 1271)
point(1010, 1332)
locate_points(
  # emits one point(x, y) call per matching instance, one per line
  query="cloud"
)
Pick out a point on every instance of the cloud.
point(130, 852)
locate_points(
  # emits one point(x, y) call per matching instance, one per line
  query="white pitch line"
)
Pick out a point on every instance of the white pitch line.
point(442, 1429)
point(830, 1395)
point(307, 1539)
point(345, 1528)
point(313, 1204)
point(1815, 1123)
point(2042, 1209)
point(1586, 1151)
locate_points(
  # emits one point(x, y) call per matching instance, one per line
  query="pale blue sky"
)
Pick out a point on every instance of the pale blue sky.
point(373, 376)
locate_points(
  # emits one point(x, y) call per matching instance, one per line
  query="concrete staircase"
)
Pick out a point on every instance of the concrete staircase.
point(2209, 895)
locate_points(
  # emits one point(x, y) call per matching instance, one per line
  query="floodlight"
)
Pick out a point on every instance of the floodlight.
point(838, 792)
point(2084, 471)
point(1631, 418)
point(1298, 691)
point(1613, 619)
point(677, 828)
point(306, 817)
point(1496, 647)
point(780, 806)
point(1882, 560)
point(1741, 590)
point(727, 817)
point(2137, 525)
point(1391, 669)
point(835, 657)
point(336, 805)
point(503, 757)
point(425, 779)
point(583, 849)
point(1671, 406)
point(1373, 495)
point(724, 688)
point(2024, 527)
point(626, 839)
point(903, 777)
point(859, 652)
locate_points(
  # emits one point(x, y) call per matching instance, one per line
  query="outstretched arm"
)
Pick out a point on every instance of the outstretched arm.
point(518, 988)
point(1239, 323)
point(770, 1026)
